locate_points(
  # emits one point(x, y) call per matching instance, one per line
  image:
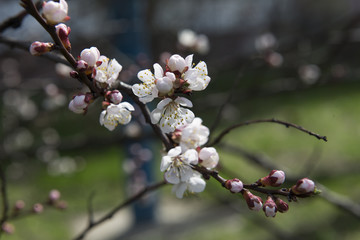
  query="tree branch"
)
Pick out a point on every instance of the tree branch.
point(127, 202)
point(273, 120)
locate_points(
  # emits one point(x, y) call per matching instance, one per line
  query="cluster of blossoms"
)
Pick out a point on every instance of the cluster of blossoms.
point(179, 161)
point(184, 165)
point(179, 77)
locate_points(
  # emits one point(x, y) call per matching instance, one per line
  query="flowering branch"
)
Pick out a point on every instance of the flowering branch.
point(272, 120)
point(127, 202)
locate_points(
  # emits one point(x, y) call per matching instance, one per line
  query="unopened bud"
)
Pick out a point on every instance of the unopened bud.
point(37, 48)
point(55, 12)
point(63, 32)
point(209, 157)
point(8, 228)
point(90, 55)
point(274, 179)
point(303, 186)
point(54, 195)
point(115, 96)
point(61, 205)
point(19, 204)
point(254, 202)
point(80, 103)
point(269, 207)
point(81, 65)
point(281, 205)
point(234, 185)
point(74, 74)
point(38, 208)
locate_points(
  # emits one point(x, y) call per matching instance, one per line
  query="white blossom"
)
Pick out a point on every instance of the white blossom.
point(177, 165)
point(176, 63)
point(209, 157)
point(195, 184)
point(115, 114)
point(107, 71)
point(147, 90)
point(170, 115)
point(196, 77)
point(194, 135)
point(55, 12)
point(90, 55)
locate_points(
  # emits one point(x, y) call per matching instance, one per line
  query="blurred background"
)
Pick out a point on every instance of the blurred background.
point(292, 60)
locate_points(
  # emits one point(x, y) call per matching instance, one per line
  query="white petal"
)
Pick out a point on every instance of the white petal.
point(174, 152)
point(172, 176)
point(164, 103)
point(155, 115)
point(186, 173)
point(191, 156)
point(189, 60)
point(179, 189)
point(183, 102)
point(196, 184)
point(165, 163)
point(158, 71)
point(126, 105)
point(146, 76)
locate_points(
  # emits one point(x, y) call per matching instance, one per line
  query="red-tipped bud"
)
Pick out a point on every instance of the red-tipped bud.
point(254, 202)
point(63, 32)
point(115, 96)
point(269, 207)
point(74, 74)
point(281, 205)
point(37, 48)
point(8, 228)
point(274, 179)
point(19, 205)
point(303, 186)
point(54, 195)
point(81, 65)
point(38, 208)
point(80, 103)
point(61, 205)
point(234, 185)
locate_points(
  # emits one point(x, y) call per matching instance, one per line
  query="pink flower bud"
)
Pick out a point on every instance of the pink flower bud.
point(274, 179)
point(63, 32)
point(90, 55)
point(54, 195)
point(55, 12)
point(303, 186)
point(269, 207)
point(254, 202)
point(81, 65)
point(38, 208)
point(176, 63)
point(234, 185)
point(37, 48)
point(61, 205)
point(281, 205)
point(8, 228)
point(80, 103)
point(208, 156)
point(115, 97)
point(19, 204)
point(74, 74)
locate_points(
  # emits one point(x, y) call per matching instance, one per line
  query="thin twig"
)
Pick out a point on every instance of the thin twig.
point(145, 111)
point(225, 103)
point(272, 120)
point(4, 196)
point(127, 202)
point(90, 208)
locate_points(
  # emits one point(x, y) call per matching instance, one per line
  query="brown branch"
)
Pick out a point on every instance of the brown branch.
point(272, 120)
point(127, 202)
point(145, 111)
point(4, 196)
point(32, 10)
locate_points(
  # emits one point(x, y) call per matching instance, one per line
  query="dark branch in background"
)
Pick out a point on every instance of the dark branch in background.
point(286, 124)
point(25, 46)
point(4, 196)
point(16, 21)
point(226, 102)
point(127, 202)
